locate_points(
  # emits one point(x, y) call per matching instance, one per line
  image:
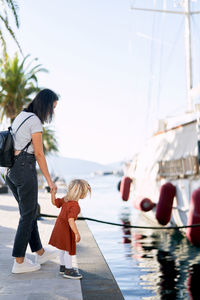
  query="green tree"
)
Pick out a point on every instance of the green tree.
point(5, 7)
point(17, 84)
point(49, 140)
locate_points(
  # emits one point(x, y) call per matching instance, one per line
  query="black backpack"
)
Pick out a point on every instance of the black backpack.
point(7, 146)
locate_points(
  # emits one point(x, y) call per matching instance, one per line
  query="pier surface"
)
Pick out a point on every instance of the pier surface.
point(47, 284)
point(98, 282)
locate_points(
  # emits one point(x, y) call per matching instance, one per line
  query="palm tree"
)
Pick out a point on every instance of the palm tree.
point(49, 141)
point(13, 7)
point(17, 84)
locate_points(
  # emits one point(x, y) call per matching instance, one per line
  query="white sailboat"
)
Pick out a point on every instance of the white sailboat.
point(171, 157)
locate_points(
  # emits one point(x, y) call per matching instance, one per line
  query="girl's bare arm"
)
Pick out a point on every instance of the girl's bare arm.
point(53, 198)
point(72, 224)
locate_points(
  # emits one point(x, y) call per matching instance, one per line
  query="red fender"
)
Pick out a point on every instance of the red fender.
point(193, 233)
point(164, 206)
point(144, 204)
point(125, 187)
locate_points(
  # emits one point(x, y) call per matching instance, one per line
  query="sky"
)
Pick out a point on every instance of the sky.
point(116, 70)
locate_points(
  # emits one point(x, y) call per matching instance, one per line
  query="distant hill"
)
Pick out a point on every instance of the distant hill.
point(63, 166)
point(116, 166)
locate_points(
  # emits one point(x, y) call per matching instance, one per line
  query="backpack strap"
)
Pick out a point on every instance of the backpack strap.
point(26, 147)
point(23, 122)
point(10, 128)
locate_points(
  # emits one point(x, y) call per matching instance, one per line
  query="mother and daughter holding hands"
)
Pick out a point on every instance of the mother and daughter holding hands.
point(22, 180)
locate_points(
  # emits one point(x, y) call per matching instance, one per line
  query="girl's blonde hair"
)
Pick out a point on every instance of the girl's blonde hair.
point(78, 189)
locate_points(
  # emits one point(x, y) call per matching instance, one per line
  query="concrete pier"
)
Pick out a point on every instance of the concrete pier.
point(98, 282)
point(47, 284)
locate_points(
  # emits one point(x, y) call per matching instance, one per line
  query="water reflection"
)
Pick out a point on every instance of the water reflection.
point(168, 264)
point(194, 281)
point(169, 274)
point(147, 264)
point(125, 218)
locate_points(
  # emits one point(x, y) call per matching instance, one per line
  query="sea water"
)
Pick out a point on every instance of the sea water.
point(147, 264)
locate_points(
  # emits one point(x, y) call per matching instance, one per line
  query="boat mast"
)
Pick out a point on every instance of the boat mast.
point(188, 52)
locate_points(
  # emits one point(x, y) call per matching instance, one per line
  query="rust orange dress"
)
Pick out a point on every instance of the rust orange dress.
point(62, 236)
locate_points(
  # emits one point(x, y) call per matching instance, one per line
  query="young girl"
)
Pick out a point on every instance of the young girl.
point(65, 234)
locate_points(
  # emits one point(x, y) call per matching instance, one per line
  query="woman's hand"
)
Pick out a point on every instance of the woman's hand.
point(77, 237)
point(41, 160)
point(53, 187)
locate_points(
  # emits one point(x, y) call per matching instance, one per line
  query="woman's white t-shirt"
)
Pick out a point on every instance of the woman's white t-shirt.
point(24, 135)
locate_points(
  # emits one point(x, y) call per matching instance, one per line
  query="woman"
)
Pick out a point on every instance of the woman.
point(22, 178)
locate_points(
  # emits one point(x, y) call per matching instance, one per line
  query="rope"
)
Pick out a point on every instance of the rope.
point(125, 225)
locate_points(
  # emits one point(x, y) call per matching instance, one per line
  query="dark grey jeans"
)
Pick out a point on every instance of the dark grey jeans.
point(22, 180)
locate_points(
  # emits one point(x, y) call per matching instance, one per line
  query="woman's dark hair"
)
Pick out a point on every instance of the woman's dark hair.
point(42, 105)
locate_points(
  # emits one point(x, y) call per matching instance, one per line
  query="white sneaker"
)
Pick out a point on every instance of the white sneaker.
point(26, 266)
point(47, 255)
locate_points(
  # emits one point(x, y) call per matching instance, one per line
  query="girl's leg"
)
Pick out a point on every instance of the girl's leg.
point(61, 256)
point(70, 272)
point(68, 260)
point(62, 261)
